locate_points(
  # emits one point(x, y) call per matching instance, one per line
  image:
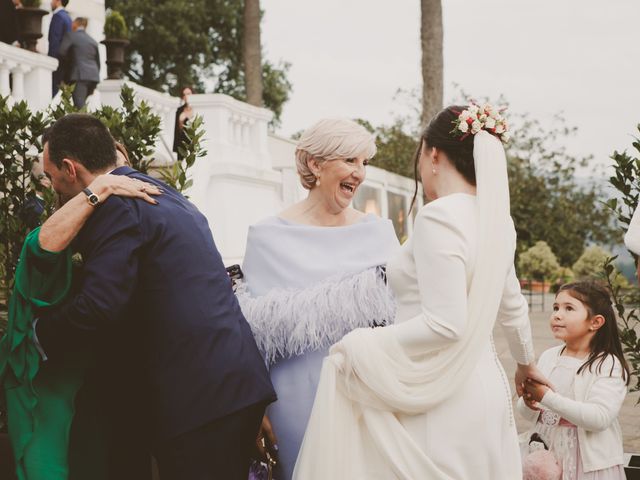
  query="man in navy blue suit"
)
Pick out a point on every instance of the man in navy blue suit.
point(60, 24)
point(180, 370)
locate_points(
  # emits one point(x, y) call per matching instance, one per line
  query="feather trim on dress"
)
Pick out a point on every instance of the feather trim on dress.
point(290, 322)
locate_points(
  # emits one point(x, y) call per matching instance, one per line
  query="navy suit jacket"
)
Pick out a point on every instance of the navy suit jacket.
point(155, 297)
point(60, 24)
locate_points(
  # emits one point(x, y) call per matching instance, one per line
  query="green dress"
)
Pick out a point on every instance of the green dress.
point(40, 396)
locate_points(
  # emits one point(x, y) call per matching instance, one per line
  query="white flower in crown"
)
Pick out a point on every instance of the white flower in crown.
point(475, 118)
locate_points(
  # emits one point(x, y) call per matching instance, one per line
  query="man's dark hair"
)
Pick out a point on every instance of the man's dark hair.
point(65, 3)
point(83, 138)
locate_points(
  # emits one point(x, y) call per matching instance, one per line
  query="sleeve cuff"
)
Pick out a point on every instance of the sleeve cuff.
point(549, 400)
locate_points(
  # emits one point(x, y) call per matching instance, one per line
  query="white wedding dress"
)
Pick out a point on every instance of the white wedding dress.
point(472, 434)
point(427, 398)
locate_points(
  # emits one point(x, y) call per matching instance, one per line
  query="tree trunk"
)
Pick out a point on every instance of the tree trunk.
point(432, 65)
point(252, 52)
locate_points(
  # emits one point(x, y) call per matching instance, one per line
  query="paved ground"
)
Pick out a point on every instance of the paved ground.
point(629, 415)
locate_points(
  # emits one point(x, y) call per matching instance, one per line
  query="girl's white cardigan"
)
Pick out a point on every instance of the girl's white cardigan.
point(599, 394)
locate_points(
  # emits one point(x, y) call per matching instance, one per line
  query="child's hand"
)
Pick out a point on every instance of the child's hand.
point(532, 404)
point(534, 391)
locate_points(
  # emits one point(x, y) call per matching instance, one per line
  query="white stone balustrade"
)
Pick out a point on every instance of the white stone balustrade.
point(235, 129)
point(26, 76)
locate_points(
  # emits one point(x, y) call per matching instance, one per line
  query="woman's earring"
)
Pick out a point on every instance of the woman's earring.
point(318, 181)
point(434, 170)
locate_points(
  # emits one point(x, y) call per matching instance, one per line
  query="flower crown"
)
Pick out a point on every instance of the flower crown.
point(476, 118)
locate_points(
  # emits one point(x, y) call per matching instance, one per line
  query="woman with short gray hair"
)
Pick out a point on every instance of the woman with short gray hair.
point(313, 273)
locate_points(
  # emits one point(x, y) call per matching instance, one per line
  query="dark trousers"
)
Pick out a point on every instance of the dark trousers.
point(219, 450)
point(81, 91)
point(56, 80)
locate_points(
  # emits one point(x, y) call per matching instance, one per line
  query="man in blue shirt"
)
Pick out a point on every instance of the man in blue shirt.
point(60, 24)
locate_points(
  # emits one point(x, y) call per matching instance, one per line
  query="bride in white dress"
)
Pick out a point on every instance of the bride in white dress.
point(427, 398)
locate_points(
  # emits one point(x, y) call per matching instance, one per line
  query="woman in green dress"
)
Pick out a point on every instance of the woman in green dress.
point(41, 396)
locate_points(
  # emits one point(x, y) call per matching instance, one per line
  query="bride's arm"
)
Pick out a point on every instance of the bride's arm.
point(513, 317)
point(440, 251)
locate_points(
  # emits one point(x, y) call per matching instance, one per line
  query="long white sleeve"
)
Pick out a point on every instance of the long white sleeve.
point(602, 405)
point(513, 317)
point(632, 237)
point(438, 246)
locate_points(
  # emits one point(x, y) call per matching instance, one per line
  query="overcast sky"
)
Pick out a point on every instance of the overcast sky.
point(576, 57)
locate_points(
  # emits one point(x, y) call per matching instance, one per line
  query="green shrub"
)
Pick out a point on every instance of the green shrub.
point(538, 262)
point(115, 27)
point(590, 263)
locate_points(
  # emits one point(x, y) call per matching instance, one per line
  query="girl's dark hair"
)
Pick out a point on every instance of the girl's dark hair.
point(459, 150)
point(606, 341)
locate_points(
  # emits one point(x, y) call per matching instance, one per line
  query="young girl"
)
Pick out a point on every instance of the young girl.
point(576, 419)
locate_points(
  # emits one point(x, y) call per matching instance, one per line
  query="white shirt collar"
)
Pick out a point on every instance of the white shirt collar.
point(57, 9)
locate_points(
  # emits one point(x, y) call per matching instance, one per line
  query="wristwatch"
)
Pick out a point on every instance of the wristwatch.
point(92, 198)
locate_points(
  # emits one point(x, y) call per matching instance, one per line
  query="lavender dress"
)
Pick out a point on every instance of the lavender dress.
point(305, 288)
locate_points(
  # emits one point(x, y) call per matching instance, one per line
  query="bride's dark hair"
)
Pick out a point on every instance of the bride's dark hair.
point(459, 151)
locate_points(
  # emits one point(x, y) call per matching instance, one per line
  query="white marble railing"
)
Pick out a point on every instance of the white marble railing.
point(236, 129)
point(26, 76)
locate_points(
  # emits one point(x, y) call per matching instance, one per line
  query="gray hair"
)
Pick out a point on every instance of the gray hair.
point(331, 139)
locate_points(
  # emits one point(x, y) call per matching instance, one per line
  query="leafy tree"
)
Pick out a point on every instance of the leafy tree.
point(396, 148)
point(538, 262)
point(591, 262)
point(188, 42)
point(548, 201)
